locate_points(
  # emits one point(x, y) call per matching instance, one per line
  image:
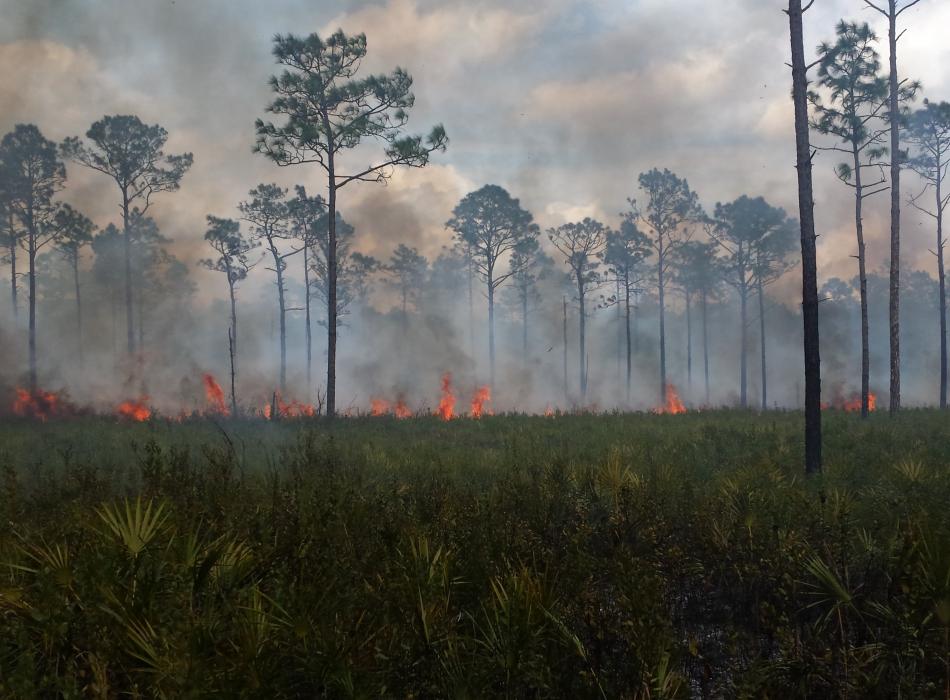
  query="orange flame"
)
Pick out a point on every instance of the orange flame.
point(379, 407)
point(548, 411)
point(136, 410)
point(447, 402)
point(214, 394)
point(288, 409)
point(39, 404)
point(482, 396)
point(402, 410)
point(673, 404)
point(851, 405)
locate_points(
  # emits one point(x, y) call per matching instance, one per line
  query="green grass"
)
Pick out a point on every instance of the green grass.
point(617, 556)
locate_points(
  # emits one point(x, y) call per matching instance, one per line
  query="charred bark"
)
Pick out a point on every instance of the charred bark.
point(806, 205)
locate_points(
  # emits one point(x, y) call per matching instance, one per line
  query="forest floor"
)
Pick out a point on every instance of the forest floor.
point(618, 555)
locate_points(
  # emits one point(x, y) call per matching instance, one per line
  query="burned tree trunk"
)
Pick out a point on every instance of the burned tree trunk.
point(75, 261)
point(809, 257)
point(862, 284)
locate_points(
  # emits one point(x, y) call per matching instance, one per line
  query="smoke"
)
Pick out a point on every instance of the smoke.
point(562, 106)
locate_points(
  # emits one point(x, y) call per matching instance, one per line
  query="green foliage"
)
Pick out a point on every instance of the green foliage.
point(579, 556)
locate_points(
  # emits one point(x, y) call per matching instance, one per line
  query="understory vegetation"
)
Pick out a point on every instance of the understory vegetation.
point(619, 556)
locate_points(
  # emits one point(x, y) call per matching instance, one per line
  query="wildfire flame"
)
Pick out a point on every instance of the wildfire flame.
point(482, 396)
point(378, 407)
point(402, 410)
point(214, 394)
point(136, 410)
point(672, 404)
point(851, 405)
point(38, 404)
point(447, 401)
point(288, 409)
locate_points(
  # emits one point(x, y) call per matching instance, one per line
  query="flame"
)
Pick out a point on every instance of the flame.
point(136, 410)
point(850, 405)
point(402, 410)
point(215, 395)
point(673, 404)
point(447, 402)
point(39, 404)
point(379, 407)
point(288, 409)
point(548, 411)
point(482, 396)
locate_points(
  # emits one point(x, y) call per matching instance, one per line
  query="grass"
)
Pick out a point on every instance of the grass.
point(615, 556)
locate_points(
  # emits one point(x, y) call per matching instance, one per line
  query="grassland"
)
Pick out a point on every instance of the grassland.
point(616, 556)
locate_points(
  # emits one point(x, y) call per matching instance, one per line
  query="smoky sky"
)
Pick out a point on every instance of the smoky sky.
point(563, 103)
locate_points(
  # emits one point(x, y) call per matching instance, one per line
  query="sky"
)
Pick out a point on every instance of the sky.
point(562, 102)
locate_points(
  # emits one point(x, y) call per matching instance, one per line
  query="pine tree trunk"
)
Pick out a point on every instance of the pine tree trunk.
point(232, 344)
point(127, 249)
point(582, 336)
point(627, 325)
point(564, 317)
point(762, 350)
point(75, 262)
point(661, 289)
point(689, 345)
point(619, 331)
point(743, 343)
point(31, 243)
point(809, 257)
point(309, 327)
point(491, 328)
point(705, 347)
point(863, 284)
point(331, 284)
point(281, 307)
point(524, 326)
point(13, 284)
point(942, 278)
point(895, 281)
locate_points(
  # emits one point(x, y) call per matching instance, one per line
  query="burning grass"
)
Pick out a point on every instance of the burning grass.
point(521, 556)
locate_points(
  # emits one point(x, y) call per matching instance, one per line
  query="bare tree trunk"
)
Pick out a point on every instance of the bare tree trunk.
point(566, 389)
point(491, 328)
point(743, 344)
point(524, 326)
point(278, 267)
point(127, 247)
point(862, 283)
point(809, 258)
point(309, 331)
point(895, 281)
point(234, 406)
point(140, 299)
point(661, 288)
point(942, 277)
point(582, 337)
point(331, 284)
point(689, 345)
point(619, 331)
point(34, 383)
point(765, 385)
point(471, 303)
point(627, 325)
point(705, 346)
point(232, 344)
point(13, 283)
point(75, 262)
